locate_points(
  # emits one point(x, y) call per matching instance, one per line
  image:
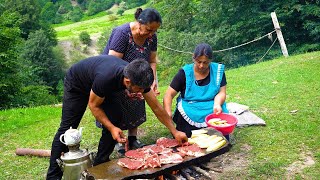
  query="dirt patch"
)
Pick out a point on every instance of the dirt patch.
point(93, 49)
point(229, 165)
point(66, 47)
point(72, 47)
point(305, 160)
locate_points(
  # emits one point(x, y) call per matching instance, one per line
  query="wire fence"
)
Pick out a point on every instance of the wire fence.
point(234, 47)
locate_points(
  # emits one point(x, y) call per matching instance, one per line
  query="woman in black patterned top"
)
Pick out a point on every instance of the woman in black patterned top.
point(130, 41)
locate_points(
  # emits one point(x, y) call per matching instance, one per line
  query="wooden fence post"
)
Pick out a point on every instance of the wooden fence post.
point(279, 34)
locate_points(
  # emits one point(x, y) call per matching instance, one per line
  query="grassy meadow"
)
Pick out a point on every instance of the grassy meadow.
point(95, 25)
point(284, 92)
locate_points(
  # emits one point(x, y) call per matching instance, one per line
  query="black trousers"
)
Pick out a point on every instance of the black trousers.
point(106, 146)
point(74, 106)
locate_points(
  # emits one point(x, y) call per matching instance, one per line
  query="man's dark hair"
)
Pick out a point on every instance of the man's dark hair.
point(203, 49)
point(140, 73)
point(148, 15)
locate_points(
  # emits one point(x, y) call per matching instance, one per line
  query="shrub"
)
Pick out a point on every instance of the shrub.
point(85, 49)
point(108, 12)
point(85, 38)
point(60, 91)
point(103, 39)
point(120, 12)
point(112, 18)
point(35, 95)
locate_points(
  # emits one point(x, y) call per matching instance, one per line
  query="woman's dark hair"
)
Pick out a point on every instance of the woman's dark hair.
point(203, 49)
point(147, 16)
point(140, 73)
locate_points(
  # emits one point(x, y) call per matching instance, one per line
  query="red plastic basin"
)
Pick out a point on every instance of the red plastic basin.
point(225, 130)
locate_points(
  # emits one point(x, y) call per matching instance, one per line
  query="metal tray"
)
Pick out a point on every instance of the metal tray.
point(111, 170)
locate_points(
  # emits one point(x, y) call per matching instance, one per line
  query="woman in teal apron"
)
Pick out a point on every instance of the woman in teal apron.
point(202, 88)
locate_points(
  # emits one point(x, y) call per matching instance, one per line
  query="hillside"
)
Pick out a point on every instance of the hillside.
point(68, 35)
point(284, 92)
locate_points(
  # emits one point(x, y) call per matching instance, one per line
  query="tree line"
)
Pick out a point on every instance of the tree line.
point(58, 11)
point(32, 66)
point(227, 23)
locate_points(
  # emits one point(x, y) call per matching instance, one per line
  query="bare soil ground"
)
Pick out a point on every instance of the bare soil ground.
point(230, 164)
point(69, 47)
point(305, 160)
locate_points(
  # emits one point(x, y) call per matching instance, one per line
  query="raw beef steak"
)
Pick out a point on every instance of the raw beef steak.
point(138, 154)
point(166, 142)
point(192, 150)
point(131, 163)
point(169, 158)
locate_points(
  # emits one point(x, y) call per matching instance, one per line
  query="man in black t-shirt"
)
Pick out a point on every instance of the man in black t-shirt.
point(93, 81)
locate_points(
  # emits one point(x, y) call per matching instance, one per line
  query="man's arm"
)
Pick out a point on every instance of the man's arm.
point(164, 118)
point(94, 104)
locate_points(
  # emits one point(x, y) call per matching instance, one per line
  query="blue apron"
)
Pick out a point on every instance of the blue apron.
point(198, 101)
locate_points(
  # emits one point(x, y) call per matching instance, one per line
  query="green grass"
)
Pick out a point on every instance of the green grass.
point(95, 24)
point(92, 26)
point(84, 18)
point(271, 89)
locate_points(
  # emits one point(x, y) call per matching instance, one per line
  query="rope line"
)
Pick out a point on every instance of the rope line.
point(174, 49)
point(267, 50)
point(257, 39)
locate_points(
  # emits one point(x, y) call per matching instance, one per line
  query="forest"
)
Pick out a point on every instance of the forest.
point(32, 65)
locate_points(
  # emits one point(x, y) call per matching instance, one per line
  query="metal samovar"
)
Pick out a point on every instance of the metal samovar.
point(76, 160)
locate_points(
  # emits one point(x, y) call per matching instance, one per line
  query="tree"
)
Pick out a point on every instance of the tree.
point(30, 14)
point(10, 39)
point(99, 5)
point(135, 3)
point(176, 14)
point(38, 50)
point(48, 13)
point(76, 14)
point(64, 7)
point(225, 24)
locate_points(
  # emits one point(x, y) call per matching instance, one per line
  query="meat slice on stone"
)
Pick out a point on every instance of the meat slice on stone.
point(170, 158)
point(157, 149)
point(131, 163)
point(152, 160)
point(138, 154)
point(166, 151)
point(154, 148)
point(192, 150)
point(167, 142)
point(182, 154)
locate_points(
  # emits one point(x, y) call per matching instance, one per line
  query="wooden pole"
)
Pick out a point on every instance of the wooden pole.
point(279, 34)
point(33, 152)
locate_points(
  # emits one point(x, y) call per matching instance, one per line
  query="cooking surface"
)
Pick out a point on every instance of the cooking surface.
point(111, 170)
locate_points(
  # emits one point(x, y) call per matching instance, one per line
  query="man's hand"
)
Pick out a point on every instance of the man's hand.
point(118, 135)
point(181, 137)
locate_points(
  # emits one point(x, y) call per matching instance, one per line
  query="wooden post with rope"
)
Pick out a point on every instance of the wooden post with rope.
point(279, 34)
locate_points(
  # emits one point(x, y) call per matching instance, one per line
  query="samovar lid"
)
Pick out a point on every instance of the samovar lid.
point(74, 155)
